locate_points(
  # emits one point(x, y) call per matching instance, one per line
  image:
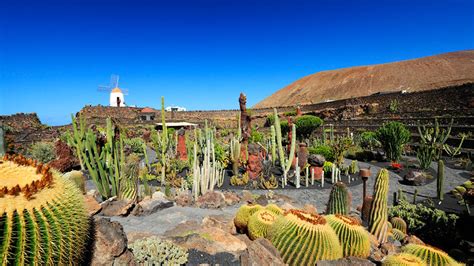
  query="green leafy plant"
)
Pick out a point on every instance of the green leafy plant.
point(135, 144)
point(393, 136)
point(393, 107)
point(255, 136)
point(425, 155)
point(306, 124)
point(42, 152)
point(324, 150)
point(340, 146)
point(368, 140)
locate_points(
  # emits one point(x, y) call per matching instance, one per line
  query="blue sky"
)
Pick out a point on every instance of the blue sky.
point(202, 54)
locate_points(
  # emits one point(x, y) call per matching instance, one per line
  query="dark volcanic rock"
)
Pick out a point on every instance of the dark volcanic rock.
point(349, 261)
point(261, 252)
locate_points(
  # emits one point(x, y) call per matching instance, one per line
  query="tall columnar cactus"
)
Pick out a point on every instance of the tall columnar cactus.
point(285, 163)
point(43, 219)
point(164, 141)
point(235, 155)
point(2, 141)
point(77, 138)
point(435, 137)
point(378, 216)
point(339, 200)
point(440, 180)
point(281, 153)
point(272, 128)
point(353, 237)
point(430, 255)
point(260, 222)
point(402, 259)
point(209, 174)
point(303, 238)
point(243, 214)
point(399, 223)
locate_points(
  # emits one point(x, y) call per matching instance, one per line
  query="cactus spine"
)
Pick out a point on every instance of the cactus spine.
point(430, 255)
point(339, 200)
point(378, 216)
point(402, 259)
point(43, 219)
point(440, 180)
point(303, 238)
point(353, 237)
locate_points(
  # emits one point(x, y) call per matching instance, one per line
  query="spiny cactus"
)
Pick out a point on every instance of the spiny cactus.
point(243, 214)
point(155, 251)
point(399, 224)
point(440, 180)
point(77, 177)
point(303, 238)
point(398, 234)
point(260, 222)
point(353, 237)
point(42, 215)
point(273, 132)
point(402, 259)
point(339, 200)
point(378, 216)
point(354, 167)
point(430, 255)
point(274, 208)
point(389, 226)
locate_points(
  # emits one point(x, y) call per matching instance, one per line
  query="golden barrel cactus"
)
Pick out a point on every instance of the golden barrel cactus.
point(243, 214)
point(43, 219)
point(274, 208)
point(402, 259)
point(352, 235)
point(260, 222)
point(304, 238)
point(430, 255)
point(399, 224)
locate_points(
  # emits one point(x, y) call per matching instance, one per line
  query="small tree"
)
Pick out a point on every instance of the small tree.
point(393, 136)
point(306, 124)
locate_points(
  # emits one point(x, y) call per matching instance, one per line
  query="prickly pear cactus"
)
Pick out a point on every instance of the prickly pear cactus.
point(353, 237)
point(260, 222)
point(402, 259)
point(378, 217)
point(303, 238)
point(430, 255)
point(43, 219)
point(339, 200)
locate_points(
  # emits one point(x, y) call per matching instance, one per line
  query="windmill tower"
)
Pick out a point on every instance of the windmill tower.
point(117, 98)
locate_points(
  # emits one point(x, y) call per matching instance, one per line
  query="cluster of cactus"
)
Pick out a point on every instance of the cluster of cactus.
point(440, 180)
point(378, 217)
point(430, 255)
point(304, 238)
point(339, 200)
point(243, 214)
point(393, 136)
point(352, 235)
point(155, 251)
point(239, 181)
point(402, 259)
point(434, 138)
point(49, 228)
point(454, 151)
point(260, 222)
point(270, 183)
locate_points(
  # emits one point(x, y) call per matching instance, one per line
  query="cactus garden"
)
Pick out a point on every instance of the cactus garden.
point(254, 133)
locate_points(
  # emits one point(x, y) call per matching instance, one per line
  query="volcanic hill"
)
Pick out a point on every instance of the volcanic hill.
point(426, 73)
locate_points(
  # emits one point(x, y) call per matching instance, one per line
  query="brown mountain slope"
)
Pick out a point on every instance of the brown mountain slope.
point(425, 73)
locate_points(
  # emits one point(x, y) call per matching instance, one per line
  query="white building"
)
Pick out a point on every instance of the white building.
point(116, 98)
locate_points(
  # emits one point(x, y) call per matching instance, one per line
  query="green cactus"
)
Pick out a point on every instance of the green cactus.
point(274, 208)
point(155, 251)
point(43, 218)
point(303, 238)
point(78, 178)
point(281, 152)
point(243, 214)
point(399, 224)
point(272, 128)
point(235, 148)
point(402, 259)
point(339, 200)
point(260, 222)
point(440, 180)
point(434, 137)
point(2, 141)
point(353, 237)
point(77, 138)
point(430, 255)
point(398, 234)
point(130, 183)
point(354, 167)
point(378, 216)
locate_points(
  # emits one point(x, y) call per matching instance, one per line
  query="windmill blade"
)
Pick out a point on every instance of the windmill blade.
point(114, 80)
point(124, 91)
point(103, 88)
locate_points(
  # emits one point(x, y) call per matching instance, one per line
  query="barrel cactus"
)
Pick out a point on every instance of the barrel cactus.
point(243, 214)
point(43, 219)
point(339, 200)
point(378, 217)
point(430, 255)
point(353, 237)
point(402, 259)
point(260, 222)
point(398, 234)
point(304, 238)
point(399, 224)
point(274, 208)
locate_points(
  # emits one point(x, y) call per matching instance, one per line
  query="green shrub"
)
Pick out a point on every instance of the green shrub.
point(323, 150)
point(306, 124)
point(432, 225)
point(393, 136)
point(285, 128)
point(255, 136)
point(368, 140)
point(270, 120)
point(42, 152)
point(354, 152)
point(135, 144)
point(290, 113)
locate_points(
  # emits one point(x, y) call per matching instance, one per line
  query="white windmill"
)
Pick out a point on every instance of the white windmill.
point(117, 98)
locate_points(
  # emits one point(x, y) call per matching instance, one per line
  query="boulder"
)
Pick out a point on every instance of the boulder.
point(348, 261)
point(109, 243)
point(261, 252)
point(92, 206)
point(247, 196)
point(184, 198)
point(231, 198)
point(310, 208)
point(316, 160)
point(149, 206)
point(412, 239)
point(211, 200)
point(415, 178)
point(114, 207)
point(221, 222)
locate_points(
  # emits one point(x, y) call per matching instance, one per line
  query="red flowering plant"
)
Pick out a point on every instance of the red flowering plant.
point(396, 166)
